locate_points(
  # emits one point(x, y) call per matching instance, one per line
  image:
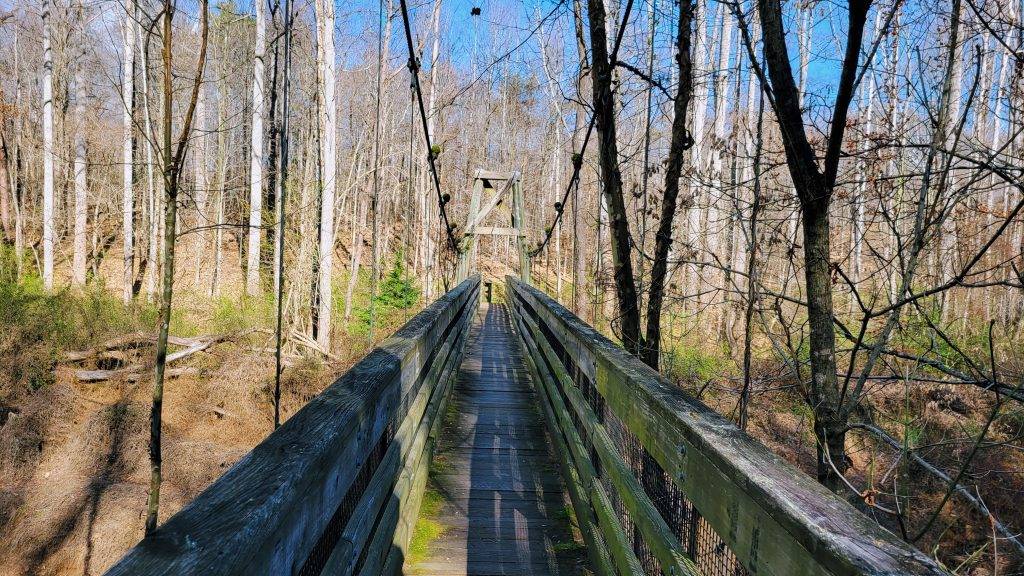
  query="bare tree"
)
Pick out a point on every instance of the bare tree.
point(81, 193)
point(128, 189)
point(680, 143)
point(814, 186)
point(48, 206)
point(611, 176)
point(172, 157)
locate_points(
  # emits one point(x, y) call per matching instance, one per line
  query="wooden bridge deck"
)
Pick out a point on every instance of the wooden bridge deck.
point(503, 510)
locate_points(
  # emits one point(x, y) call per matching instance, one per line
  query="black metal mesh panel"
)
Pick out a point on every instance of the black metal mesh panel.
point(712, 556)
point(700, 541)
point(317, 558)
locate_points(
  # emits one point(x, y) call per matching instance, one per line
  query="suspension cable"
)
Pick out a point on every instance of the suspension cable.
point(577, 159)
point(414, 69)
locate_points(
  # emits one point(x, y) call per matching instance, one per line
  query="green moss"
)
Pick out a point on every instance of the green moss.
point(432, 503)
point(567, 546)
point(427, 529)
point(567, 514)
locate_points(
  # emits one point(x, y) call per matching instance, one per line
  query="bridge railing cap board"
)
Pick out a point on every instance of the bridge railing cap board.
point(839, 538)
point(265, 514)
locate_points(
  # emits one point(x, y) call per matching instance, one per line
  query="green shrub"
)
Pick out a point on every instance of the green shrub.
point(694, 363)
point(231, 315)
point(36, 326)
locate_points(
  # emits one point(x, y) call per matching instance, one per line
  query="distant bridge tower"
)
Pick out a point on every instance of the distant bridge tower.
point(494, 186)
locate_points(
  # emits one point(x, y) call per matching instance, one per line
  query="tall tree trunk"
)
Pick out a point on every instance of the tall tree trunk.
point(81, 194)
point(252, 273)
point(426, 246)
point(154, 200)
point(357, 254)
point(752, 270)
point(6, 187)
point(172, 164)
point(127, 147)
point(681, 140)
point(611, 176)
point(18, 178)
point(48, 207)
point(220, 188)
point(858, 201)
point(202, 187)
point(814, 188)
point(701, 95)
point(328, 160)
point(167, 292)
point(804, 33)
point(577, 142)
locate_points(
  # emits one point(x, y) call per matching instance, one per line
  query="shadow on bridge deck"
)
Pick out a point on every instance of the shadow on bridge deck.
point(504, 510)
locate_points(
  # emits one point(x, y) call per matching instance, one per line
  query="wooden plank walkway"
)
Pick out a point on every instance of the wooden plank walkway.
point(503, 509)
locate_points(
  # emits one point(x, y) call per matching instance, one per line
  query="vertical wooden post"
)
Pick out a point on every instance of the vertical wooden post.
point(518, 222)
point(469, 240)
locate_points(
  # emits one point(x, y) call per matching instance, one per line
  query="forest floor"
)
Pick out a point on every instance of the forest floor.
point(74, 469)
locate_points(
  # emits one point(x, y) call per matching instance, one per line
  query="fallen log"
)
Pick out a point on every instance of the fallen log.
point(307, 342)
point(135, 371)
point(1013, 536)
point(128, 341)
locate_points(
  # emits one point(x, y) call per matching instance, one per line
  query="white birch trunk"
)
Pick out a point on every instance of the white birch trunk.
point(857, 202)
point(222, 168)
point(48, 232)
point(81, 194)
point(427, 212)
point(719, 142)
point(128, 161)
point(701, 94)
point(702, 88)
point(202, 184)
point(949, 240)
point(805, 30)
point(252, 276)
point(328, 156)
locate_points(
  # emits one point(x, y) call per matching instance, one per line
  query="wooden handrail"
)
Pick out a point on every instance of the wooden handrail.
point(339, 484)
point(702, 496)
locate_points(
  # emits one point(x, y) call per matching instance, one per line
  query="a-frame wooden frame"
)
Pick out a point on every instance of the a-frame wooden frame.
point(498, 184)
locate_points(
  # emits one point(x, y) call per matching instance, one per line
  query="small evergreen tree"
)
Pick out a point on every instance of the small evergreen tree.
point(396, 292)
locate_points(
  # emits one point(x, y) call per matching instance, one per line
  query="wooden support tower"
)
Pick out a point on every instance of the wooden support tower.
point(493, 186)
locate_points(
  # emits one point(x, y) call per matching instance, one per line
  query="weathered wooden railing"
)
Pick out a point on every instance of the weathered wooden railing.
point(661, 484)
point(337, 488)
